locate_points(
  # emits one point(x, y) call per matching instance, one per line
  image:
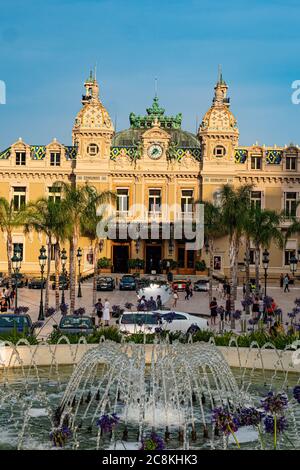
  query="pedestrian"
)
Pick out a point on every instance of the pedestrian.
point(142, 303)
point(106, 313)
point(227, 308)
point(7, 296)
point(225, 289)
point(213, 311)
point(255, 308)
point(261, 307)
point(221, 312)
point(187, 291)
point(99, 311)
point(281, 280)
point(175, 299)
point(191, 290)
point(286, 281)
point(158, 302)
point(151, 304)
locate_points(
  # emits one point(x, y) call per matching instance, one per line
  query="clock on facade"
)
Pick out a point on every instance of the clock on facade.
point(155, 151)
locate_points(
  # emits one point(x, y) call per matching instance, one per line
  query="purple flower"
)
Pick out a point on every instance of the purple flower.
point(158, 330)
point(291, 314)
point(247, 302)
point(253, 321)
point(59, 436)
point(237, 314)
point(153, 442)
point(225, 421)
point(20, 310)
point(275, 403)
point(79, 311)
point(128, 305)
point(281, 424)
point(250, 416)
point(267, 302)
point(64, 308)
point(169, 317)
point(297, 302)
point(50, 311)
point(108, 422)
point(296, 393)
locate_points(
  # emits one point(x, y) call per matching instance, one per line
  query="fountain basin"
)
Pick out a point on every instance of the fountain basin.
point(68, 354)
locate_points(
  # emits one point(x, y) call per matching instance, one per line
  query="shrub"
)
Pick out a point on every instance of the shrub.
point(200, 265)
point(103, 263)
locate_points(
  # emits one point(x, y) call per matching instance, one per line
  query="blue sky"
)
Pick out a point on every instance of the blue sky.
point(47, 48)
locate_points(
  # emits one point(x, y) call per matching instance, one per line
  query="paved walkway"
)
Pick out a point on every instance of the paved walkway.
point(198, 304)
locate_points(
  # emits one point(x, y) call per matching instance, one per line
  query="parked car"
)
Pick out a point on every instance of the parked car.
point(127, 282)
point(63, 283)
point(179, 284)
point(147, 322)
point(19, 279)
point(9, 323)
point(74, 324)
point(202, 285)
point(36, 283)
point(105, 283)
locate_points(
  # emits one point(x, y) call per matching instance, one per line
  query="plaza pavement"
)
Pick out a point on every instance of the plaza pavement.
point(198, 304)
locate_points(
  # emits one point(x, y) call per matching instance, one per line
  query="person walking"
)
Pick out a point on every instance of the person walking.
point(175, 299)
point(187, 291)
point(7, 296)
point(286, 281)
point(106, 313)
point(99, 311)
point(261, 307)
point(227, 308)
point(213, 311)
point(158, 302)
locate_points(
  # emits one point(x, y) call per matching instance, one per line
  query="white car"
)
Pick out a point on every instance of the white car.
point(147, 322)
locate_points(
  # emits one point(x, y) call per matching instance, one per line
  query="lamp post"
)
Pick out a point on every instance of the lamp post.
point(42, 261)
point(63, 258)
point(266, 266)
point(16, 265)
point(79, 256)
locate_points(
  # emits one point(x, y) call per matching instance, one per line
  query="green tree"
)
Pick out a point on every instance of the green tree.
point(262, 226)
point(48, 217)
point(10, 219)
point(213, 229)
point(234, 205)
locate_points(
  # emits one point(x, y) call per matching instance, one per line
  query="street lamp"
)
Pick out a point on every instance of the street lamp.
point(42, 261)
point(16, 265)
point(63, 258)
point(266, 266)
point(79, 256)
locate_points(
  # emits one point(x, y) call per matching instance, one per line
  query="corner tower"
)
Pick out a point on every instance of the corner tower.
point(92, 132)
point(218, 134)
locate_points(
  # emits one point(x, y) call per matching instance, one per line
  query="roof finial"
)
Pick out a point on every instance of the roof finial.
point(155, 86)
point(220, 79)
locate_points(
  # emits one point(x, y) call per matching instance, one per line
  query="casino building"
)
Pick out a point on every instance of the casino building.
point(152, 164)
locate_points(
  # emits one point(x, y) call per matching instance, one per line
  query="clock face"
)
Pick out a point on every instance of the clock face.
point(155, 151)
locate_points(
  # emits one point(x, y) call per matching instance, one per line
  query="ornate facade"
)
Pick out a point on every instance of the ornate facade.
point(152, 164)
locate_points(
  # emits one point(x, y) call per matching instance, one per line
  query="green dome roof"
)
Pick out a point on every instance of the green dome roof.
point(131, 137)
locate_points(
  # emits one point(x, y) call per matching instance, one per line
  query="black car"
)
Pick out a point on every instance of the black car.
point(127, 282)
point(63, 283)
point(105, 283)
point(10, 323)
point(74, 324)
point(36, 283)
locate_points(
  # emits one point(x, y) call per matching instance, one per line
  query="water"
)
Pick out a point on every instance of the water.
point(173, 395)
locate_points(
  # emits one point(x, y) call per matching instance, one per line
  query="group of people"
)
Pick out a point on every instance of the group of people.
point(285, 282)
point(151, 304)
point(223, 312)
point(103, 312)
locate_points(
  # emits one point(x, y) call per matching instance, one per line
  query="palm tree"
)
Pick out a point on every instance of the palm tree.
point(212, 230)
point(10, 219)
point(234, 204)
point(79, 202)
point(48, 217)
point(262, 226)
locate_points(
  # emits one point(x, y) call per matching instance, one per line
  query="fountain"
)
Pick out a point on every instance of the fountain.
point(120, 394)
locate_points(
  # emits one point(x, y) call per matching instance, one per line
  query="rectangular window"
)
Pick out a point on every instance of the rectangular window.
point(21, 246)
point(122, 200)
point(181, 254)
point(54, 159)
point(54, 194)
point(256, 162)
point(20, 158)
point(190, 258)
point(290, 204)
point(287, 256)
point(19, 197)
point(290, 163)
point(252, 256)
point(187, 200)
point(154, 200)
point(256, 199)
